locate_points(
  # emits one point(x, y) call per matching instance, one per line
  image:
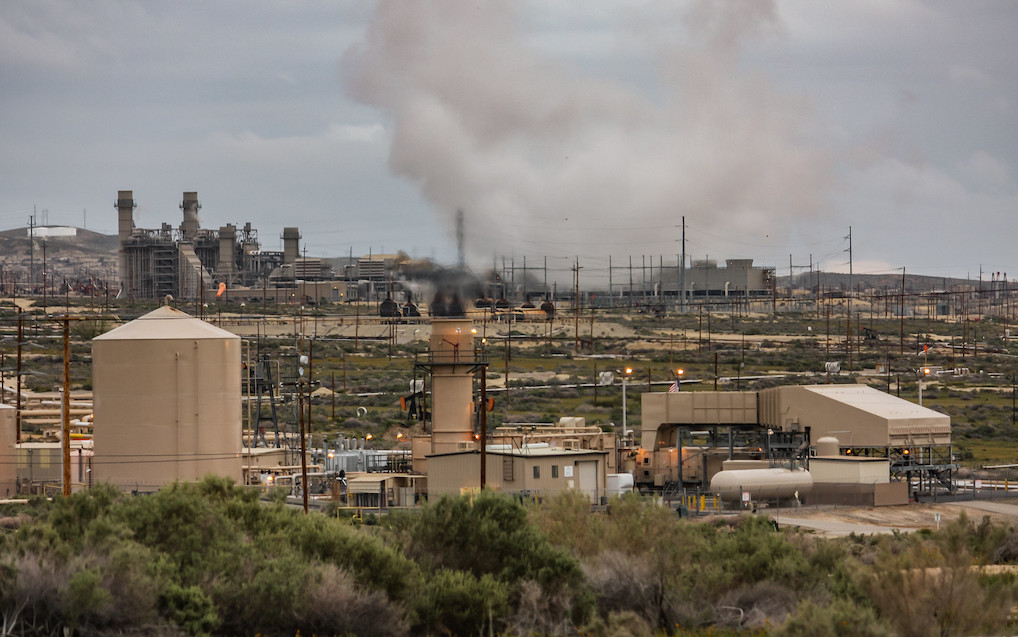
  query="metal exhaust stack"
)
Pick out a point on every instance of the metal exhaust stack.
point(190, 206)
point(125, 226)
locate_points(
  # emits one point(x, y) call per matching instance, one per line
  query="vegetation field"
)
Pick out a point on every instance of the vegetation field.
point(210, 559)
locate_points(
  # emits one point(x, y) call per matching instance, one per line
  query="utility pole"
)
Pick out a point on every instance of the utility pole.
point(851, 292)
point(576, 306)
point(44, 300)
point(901, 310)
point(484, 426)
point(31, 252)
point(682, 267)
point(21, 338)
point(65, 411)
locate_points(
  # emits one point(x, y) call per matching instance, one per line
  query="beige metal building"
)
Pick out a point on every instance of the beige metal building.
point(536, 470)
point(858, 415)
point(167, 392)
point(685, 434)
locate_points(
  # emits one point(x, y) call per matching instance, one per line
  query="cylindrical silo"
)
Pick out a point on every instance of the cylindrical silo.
point(8, 452)
point(167, 400)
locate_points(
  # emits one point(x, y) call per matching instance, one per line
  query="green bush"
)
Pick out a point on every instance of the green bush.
point(460, 603)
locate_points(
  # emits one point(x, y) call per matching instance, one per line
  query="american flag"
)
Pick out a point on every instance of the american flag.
point(674, 387)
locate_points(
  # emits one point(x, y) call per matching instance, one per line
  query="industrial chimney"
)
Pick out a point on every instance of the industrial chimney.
point(190, 206)
point(452, 372)
point(125, 226)
point(291, 245)
point(227, 257)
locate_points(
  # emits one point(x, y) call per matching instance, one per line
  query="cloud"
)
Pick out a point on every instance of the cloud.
point(543, 155)
point(987, 172)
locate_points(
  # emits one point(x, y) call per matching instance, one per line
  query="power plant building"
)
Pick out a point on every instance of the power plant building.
point(187, 260)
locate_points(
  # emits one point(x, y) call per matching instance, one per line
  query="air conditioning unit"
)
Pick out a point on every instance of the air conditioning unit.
point(571, 443)
point(465, 445)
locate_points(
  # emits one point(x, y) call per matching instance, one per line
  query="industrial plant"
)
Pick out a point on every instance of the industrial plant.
point(175, 397)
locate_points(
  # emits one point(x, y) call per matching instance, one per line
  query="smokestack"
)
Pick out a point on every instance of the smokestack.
point(190, 206)
point(291, 245)
point(227, 258)
point(125, 226)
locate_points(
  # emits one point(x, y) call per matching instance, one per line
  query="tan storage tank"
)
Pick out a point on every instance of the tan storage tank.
point(8, 452)
point(167, 402)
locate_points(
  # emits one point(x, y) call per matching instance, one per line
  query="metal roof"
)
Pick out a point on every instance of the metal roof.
point(166, 323)
point(876, 402)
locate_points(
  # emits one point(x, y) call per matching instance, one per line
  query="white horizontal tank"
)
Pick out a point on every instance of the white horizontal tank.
point(761, 484)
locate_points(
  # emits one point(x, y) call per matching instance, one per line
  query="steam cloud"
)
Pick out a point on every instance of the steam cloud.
point(549, 159)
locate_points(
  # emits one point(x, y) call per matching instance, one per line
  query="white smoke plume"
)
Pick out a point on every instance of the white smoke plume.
point(549, 158)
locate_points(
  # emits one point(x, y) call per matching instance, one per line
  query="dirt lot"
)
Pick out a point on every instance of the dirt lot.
point(905, 518)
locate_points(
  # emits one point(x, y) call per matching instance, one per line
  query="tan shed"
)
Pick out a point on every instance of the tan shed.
point(167, 402)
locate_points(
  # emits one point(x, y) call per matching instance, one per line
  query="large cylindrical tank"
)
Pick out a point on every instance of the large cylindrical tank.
point(167, 401)
point(8, 451)
point(761, 484)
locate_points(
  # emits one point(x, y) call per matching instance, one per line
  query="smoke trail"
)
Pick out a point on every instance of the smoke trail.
point(550, 159)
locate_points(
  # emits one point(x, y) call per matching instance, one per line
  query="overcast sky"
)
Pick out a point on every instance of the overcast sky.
point(562, 129)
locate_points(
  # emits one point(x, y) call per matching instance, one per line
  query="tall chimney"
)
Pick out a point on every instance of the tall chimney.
point(190, 206)
point(452, 374)
point(291, 245)
point(227, 256)
point(125, 226)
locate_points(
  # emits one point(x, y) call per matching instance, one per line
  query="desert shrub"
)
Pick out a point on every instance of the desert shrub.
point(626, 584)
point(759, 604)
point(491, 535)
point(839, 618)
point(925, 591)
point(335, 605)
point(487, 535)
point(460, 603)
point(189, 608)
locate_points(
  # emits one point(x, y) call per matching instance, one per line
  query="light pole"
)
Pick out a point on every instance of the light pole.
point(924, 372)
point(625, 376)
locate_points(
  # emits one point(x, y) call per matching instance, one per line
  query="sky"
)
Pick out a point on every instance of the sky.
point(565, 132)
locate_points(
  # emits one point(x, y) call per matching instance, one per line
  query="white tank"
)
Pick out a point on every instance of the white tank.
point(828, 446)
point(761, 484)
point(166, 388)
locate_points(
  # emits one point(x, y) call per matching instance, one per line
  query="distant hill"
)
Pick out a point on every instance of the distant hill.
point(836, 281)
point(71, 257)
